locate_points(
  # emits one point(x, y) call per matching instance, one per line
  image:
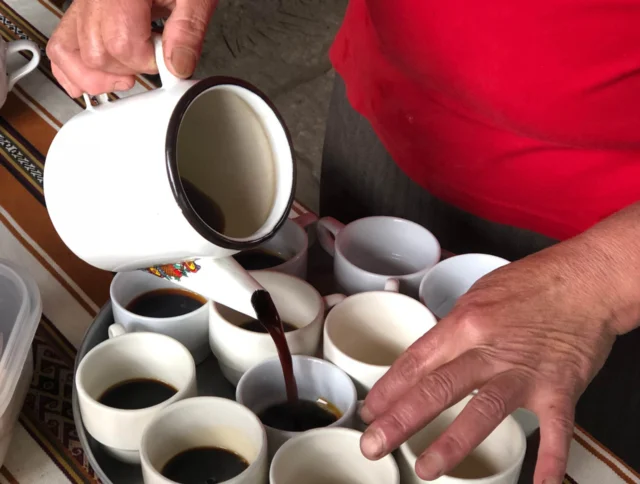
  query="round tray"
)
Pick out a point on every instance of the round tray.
point(109, 470)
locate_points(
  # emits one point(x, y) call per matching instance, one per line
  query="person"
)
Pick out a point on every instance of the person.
point(512, 128)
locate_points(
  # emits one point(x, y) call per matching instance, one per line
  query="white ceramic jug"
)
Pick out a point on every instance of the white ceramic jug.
point(192, 171)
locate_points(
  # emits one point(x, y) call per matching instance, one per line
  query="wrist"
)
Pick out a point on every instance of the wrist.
point(610, 256)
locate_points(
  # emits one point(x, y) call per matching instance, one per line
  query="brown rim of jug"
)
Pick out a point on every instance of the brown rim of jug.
point(172, 163)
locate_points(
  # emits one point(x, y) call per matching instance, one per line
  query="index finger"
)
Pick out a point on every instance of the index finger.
point(431, 395)
point(126, 33)
point(439, 345)
point(477, 420)
point(64, 52)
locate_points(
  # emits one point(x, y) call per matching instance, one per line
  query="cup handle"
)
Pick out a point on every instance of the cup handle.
point(167, 79)
point(17, 46)
point(116, 330)
point(333, 300)
point(392, 285)
point(328, 229)
point(306, 219)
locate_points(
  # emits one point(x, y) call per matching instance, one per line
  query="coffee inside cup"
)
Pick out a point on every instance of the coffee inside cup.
point(204, 465)
point(259, 259)
point(166, 303)
point(300, 415)
point(250, 324)
point(137, 393)
point(257, 327)
point(205, 440)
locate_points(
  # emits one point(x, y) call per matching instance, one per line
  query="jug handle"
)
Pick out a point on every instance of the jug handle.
point(167, 79)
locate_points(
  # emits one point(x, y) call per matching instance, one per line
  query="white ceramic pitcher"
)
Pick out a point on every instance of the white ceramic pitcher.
point(116, 174)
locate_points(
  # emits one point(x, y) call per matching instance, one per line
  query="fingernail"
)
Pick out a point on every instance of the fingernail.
point(153, 66)
point(366, 415)
point(372, 444)
point(121, 86)
point(183, 61)
point(430, 466)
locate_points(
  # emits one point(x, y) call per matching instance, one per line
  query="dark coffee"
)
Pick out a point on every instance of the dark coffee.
point(270, 319)
point(166, 303)
point(206, 208)
point(258, 259)
point(257, 327)
point(204, 465)
point(137, 394)
point(300, 416)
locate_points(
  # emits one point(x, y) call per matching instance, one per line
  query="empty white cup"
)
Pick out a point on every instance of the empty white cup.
point(370, 251)
point(205, 422)
point(367, 332)
point(329, 456)
point(497, 460)
point(298, 303)
point(129, 357)
point(449, 279)
point(263, 386)
point(191, 329)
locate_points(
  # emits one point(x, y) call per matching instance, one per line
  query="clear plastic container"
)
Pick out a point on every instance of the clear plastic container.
point(20, 312)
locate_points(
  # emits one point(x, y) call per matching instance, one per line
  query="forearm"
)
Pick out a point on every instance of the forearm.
point(610, 251)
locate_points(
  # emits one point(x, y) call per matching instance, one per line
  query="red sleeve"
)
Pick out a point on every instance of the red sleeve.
point(563, 71)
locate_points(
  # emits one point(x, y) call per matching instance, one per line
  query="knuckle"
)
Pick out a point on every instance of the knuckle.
point(55, 49)
point(410, 365)
point(490, 405)
point(399, 420)
point(194, 25)
point(563, 424)
point(470, 321)
point(437, 387)
point(95, 58)
point(119, 45)
point(455, 447)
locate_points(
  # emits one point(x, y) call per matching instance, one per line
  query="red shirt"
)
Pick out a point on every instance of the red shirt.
point(522, 112)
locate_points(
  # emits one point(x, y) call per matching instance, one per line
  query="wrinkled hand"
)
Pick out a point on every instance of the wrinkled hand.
point(100, 45)
point(531, 334)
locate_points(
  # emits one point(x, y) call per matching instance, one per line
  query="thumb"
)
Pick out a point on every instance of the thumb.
point(184, 33)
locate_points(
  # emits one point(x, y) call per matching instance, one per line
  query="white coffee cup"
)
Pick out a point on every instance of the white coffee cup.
point(191, 329)
point(205, 422)
point(291, 244)
point(497, 460)
point(367, 332)
point(132, 356)
point(263, 386)
point(329, 455)
point(372, 250)
point(298, 303)
point(449, 279)
point(8, 78)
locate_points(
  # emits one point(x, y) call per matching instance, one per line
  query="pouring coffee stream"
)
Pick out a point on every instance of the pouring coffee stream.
point(270, 319)
point(228, 283)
